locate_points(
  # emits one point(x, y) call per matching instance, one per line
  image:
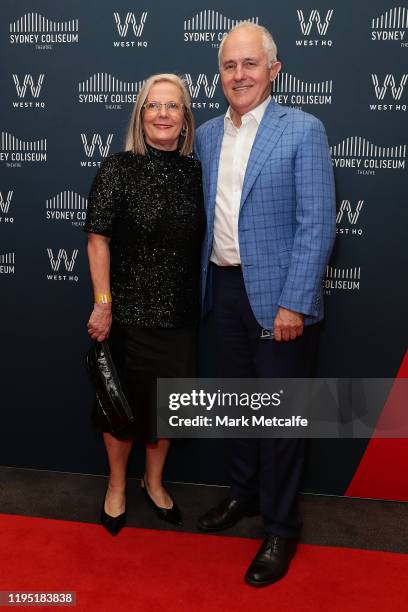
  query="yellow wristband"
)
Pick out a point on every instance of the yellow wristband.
point(103, 298)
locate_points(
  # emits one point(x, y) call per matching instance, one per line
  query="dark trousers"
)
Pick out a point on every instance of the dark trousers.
point(264, 470)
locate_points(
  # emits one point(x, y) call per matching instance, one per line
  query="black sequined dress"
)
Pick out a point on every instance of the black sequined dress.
point(151, 207)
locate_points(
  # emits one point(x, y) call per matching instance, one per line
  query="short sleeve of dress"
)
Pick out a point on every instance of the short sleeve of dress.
point(104, 198)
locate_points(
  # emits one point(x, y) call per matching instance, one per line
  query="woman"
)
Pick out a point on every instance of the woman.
point(145, 224)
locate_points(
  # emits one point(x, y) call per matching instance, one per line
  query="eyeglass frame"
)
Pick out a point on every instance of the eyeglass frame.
point(161, 104)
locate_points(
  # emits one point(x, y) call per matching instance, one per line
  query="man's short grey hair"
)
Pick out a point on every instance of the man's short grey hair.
point(269, 44)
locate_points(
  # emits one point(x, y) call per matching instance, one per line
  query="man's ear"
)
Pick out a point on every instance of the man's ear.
point(274, 71)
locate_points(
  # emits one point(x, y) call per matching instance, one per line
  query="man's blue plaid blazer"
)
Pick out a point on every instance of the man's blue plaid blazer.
point(287, 213)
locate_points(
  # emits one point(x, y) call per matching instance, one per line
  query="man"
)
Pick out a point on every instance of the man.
point(269, 194)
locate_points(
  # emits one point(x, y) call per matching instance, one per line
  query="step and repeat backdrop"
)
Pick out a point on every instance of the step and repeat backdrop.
point(70, 74)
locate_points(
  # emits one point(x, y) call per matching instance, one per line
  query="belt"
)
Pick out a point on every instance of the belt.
point(234, 267)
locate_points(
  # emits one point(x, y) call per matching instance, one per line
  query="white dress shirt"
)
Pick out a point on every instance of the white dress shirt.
point(235, 150)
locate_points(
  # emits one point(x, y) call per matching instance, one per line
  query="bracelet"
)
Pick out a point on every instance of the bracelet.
point(103, 298)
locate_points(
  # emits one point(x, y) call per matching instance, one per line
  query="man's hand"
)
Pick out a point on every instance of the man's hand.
point(288, 325)
point(100, 322)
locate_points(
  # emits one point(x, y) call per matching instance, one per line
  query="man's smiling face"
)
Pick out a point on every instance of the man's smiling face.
point(245, 74)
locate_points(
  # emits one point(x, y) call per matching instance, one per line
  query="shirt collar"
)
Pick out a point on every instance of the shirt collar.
point(256, 113)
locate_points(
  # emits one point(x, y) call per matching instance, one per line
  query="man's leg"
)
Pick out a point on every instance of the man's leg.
point(281, 460)
point(234, 361)
point(233, 357)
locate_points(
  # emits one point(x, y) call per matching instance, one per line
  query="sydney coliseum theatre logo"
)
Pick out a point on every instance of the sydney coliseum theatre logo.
point(364, 157)
point(7, 263)
point(391, 26)
point(14, 151)
point(103, 88)
point(210, 27)
point(341, 279)
point(67, 206)
point(289, 90)
point(43, 33)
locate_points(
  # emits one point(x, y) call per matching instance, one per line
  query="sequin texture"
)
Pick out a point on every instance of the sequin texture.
point(152, 208)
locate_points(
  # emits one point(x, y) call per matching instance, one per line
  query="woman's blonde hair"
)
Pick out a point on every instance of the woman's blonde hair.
point(135, 140)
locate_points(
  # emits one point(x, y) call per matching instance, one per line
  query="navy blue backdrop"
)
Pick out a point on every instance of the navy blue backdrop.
point(69, 76)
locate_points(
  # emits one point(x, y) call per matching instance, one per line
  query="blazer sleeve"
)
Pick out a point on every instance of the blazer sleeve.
point(315, 222)
point(197, 144)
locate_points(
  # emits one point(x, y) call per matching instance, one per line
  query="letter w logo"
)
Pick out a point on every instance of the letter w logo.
point(345, 206)
point(202, 80)
point(130, 18)
point(314, 16)
point(62, 255)
point(389, 81)
point(96, 140)
point(28, 82)
point(5, 204)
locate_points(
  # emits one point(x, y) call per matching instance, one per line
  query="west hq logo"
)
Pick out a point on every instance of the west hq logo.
point(390, 90)
point(103, 88)
point(34, 29)
point(62, 265)
point(67, 206)
point(347, 218)
point(391, 25)
point(210, 26)
point(28, 89)
point(94, 146)
point(341, 279)
point(202, 90)
point(14, 151)
point(5, 203)
point(287, 89)
point(7, 261)
point(365, 157)
point(132, 25)
point(314, 28)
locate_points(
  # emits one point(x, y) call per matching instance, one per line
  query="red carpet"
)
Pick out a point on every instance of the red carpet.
point(143, 570)
point(384, 465)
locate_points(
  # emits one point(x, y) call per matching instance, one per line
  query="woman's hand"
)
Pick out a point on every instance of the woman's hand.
point(100, 322)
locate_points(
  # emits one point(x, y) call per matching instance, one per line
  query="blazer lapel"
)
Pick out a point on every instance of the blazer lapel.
point(217, 133)
point(269, 132)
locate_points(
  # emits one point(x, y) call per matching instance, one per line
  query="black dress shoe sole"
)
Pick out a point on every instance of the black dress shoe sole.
point(228, 525)
point(215, 529)
point(263, 583)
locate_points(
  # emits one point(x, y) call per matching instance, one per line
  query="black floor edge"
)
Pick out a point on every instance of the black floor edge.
point(328, 520)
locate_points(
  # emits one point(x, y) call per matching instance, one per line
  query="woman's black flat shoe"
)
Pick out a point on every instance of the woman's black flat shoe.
point(112, 523)
point(170, 515)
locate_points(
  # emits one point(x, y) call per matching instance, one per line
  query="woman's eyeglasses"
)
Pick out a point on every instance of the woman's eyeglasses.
point(155, 107)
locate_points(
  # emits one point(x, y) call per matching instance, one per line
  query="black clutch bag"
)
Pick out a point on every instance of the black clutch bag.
point(110, 399)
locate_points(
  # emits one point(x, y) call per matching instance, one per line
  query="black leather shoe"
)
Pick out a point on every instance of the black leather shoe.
point(271, 562)
point(225, 515)
point(170, 515)
point(112, 523)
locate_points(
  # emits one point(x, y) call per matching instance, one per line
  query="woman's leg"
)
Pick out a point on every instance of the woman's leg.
point(155, 459)
point(118, 454)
